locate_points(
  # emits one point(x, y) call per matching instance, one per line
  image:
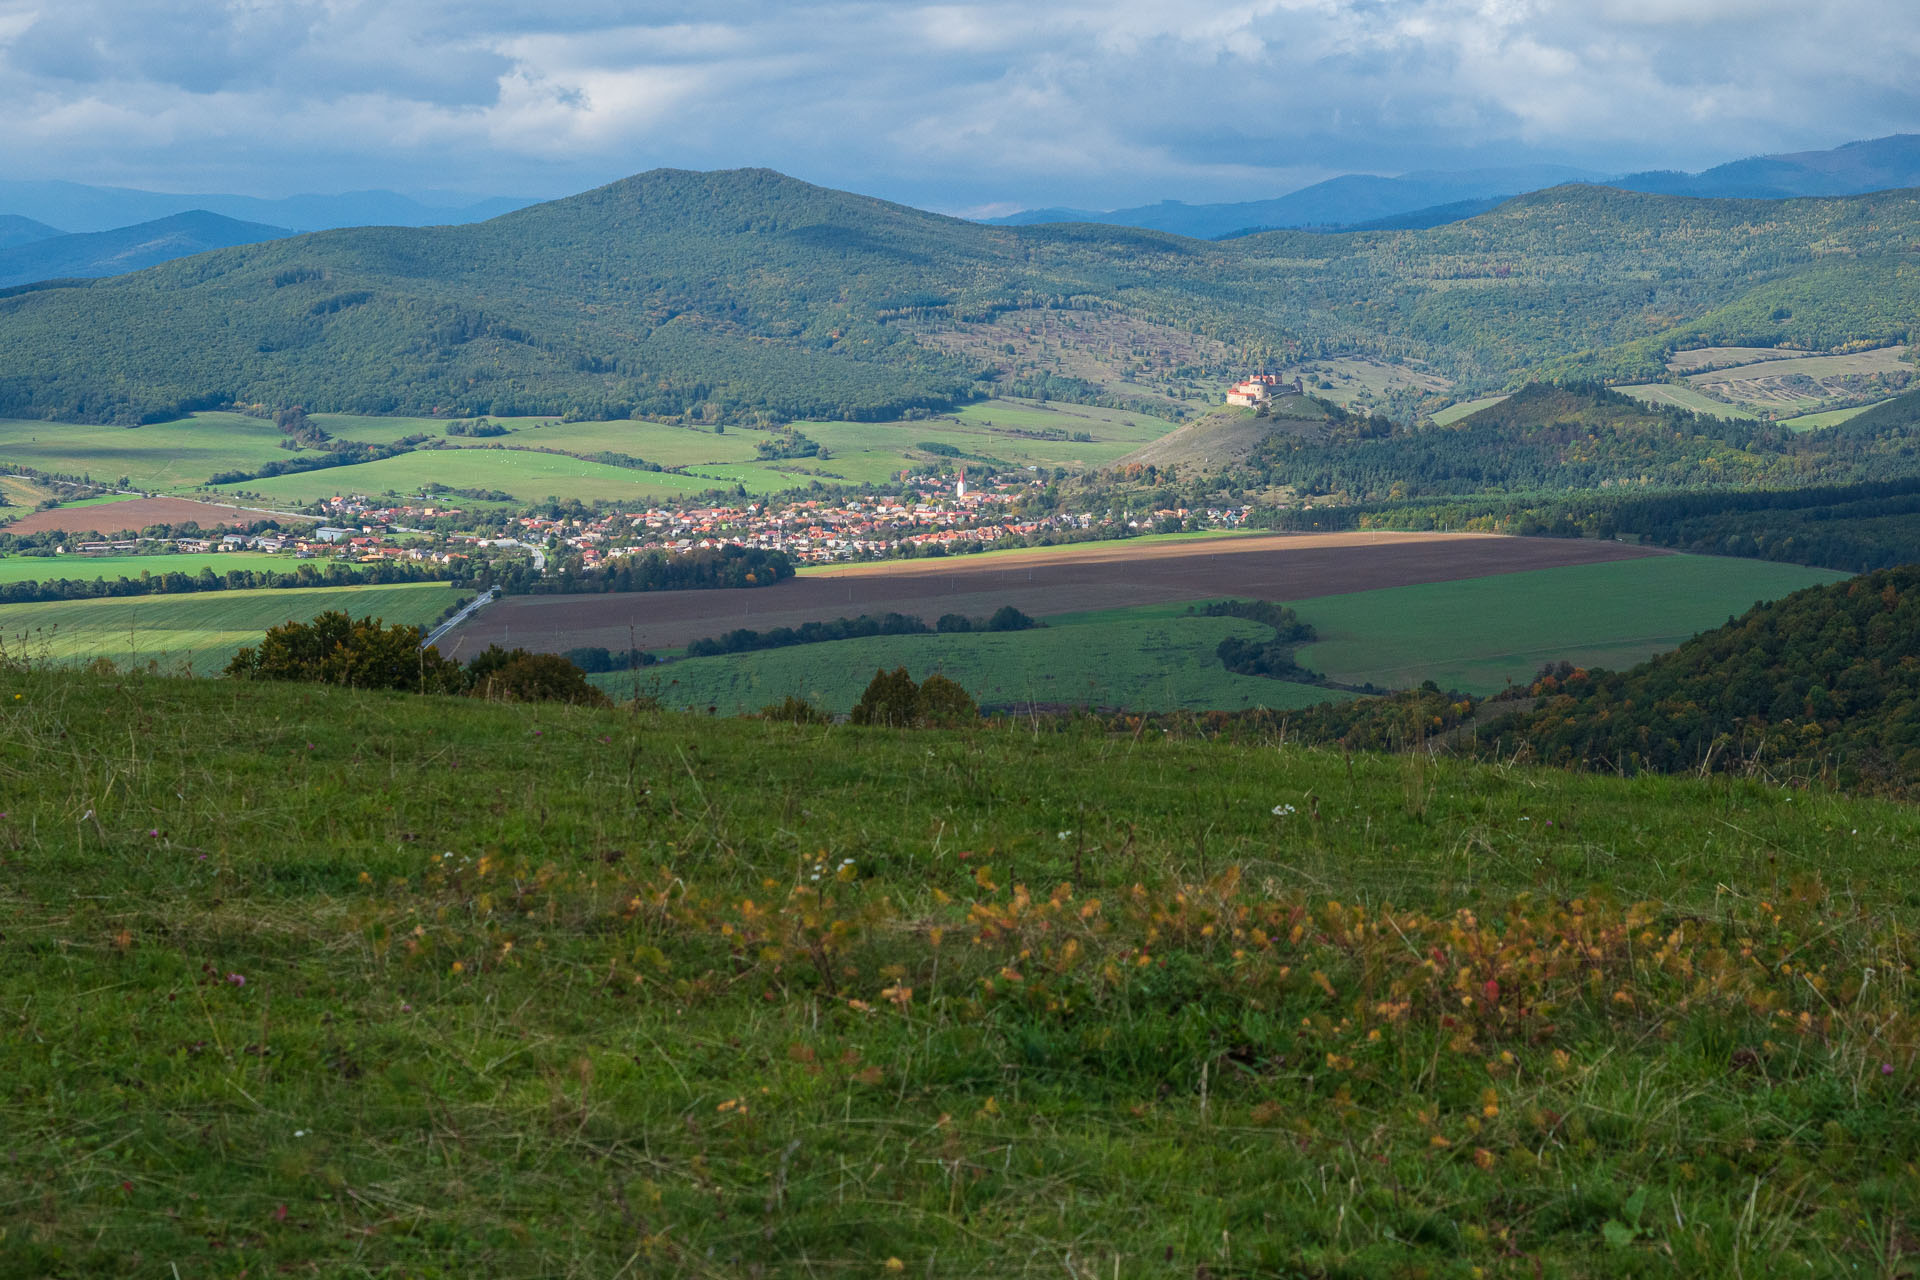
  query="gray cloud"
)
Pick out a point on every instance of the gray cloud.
point(947, 104)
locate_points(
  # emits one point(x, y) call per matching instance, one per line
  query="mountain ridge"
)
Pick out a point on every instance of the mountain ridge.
point(748, 295)
point(1357, 202)
point(109, 253)
point(78, 207)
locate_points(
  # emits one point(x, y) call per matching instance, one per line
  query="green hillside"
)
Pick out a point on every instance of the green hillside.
point(1824, 682)
point(310, 981)
point(746, 294)
point(1546, 438)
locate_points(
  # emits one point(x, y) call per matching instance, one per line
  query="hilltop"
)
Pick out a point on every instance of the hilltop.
point(746, 294)
point(382, 983)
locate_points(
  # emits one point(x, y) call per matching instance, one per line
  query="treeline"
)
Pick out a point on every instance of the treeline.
point(1853, 528)
point(1577, 437)
point(174, 583)
point(1006, 618)
point(336, 649)
point(727, 566)
point(1271, 657)
point(1824, 683)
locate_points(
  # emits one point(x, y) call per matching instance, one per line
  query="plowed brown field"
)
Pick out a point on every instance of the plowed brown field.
point(136, 514)
point(1107, 575)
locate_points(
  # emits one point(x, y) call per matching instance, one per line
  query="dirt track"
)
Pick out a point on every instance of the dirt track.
point(136, 514)
point(1104, 575)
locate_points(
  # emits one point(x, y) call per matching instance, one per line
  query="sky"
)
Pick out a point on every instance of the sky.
point(970, 108)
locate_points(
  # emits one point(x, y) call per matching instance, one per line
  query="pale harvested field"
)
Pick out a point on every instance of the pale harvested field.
point(1041, 582)
point(136, 514)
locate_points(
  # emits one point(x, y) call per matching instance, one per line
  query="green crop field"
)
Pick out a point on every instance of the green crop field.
point(528, 476)
point(202, 630)
point(1454, 412)
point(179, 456)
point(1481, 634)
point(308, 981)
point(1830, 418)
point(1155, 658)
point(162, 456)
point(86, 568)
point(1662, 393)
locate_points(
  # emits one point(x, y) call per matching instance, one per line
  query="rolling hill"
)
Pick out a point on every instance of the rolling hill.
point(746, 294)
point(1825, 682)
point(112, 253)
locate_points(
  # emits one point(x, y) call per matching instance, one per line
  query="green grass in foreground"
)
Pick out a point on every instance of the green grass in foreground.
point(1152, 658)
point(1480, 634)
point(202, 630)
point(303, 980)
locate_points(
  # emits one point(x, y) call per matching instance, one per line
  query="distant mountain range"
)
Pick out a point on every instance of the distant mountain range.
point(1359, 202)
point(16, 230)
point(747, 295)
point(1337, 202)
point(110, 253)
point(75, 207)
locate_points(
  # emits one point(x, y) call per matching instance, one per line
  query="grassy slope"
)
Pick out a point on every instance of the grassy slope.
point(1480, 634)
point(203, 629)
point(1663, 393)
point(166, 455)
point(374, 985)
point(1153, 658)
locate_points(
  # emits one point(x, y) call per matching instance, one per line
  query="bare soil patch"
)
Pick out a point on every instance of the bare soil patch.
point(1041, 582)
point(136, 514)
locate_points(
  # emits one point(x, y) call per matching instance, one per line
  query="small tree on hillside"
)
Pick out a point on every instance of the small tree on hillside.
point(335, 649)
point(514, 675)
point(892, 698)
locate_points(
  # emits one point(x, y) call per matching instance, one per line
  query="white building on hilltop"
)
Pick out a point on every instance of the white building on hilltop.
point(1257, 389)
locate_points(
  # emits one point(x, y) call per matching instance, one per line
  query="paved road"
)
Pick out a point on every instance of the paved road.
point(472, 607)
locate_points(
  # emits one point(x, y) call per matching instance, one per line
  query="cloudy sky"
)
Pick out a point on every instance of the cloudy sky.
point(955, 106)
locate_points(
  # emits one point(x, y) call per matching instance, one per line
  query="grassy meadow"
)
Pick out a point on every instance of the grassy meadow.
point(200, 631)
point(80, 568)
point(304, 980)
point(1156, 658)
point(1481, 634)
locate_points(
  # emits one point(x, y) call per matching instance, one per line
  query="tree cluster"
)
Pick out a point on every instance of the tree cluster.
point(334, 648)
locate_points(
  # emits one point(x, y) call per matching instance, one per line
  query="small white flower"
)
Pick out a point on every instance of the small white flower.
point(299, 1133)
point(1065, 834)
point(1282, 810)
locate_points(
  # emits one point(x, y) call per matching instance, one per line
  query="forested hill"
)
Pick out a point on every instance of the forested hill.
point(1548, 437)
point(1824, 682)
point(745, 293)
